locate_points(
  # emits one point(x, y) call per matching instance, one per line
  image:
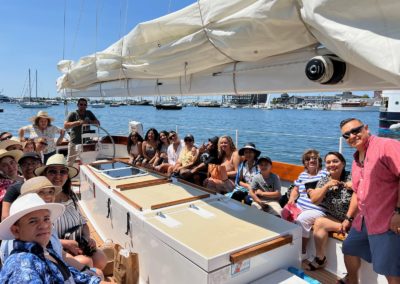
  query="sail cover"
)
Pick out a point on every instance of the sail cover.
point(211, 35)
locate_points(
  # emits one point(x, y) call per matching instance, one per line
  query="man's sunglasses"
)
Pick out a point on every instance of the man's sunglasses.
point(353, 131)
point(6, 138)
point(82, 104)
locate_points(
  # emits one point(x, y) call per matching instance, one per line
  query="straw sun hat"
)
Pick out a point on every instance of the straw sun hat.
point(57, 160)
point(42, 114)
point(16, 154)
point(34, 185)
point(24, 205)
point(7, 143)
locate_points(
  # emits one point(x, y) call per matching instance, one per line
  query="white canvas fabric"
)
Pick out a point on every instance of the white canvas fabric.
point(211, 35)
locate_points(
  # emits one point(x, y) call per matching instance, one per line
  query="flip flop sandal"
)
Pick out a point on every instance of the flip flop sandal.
point(317, 263)
point(342, 280)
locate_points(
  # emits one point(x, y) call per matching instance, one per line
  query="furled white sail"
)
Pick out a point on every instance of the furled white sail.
point(245, 46)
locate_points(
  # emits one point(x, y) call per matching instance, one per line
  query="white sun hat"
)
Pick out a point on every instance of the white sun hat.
point(57, 160)
point(24, 205)
point(35, 184)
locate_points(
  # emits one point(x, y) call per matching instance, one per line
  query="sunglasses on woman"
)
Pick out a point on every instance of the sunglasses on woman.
point(353, 131)
point(54, 172)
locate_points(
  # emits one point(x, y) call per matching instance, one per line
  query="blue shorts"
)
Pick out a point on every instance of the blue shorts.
point(383, 250)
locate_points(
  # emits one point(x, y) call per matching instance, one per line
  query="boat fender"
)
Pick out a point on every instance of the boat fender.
point(326, 69)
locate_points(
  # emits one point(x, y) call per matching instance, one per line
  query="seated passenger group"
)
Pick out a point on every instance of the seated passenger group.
point(318, 201)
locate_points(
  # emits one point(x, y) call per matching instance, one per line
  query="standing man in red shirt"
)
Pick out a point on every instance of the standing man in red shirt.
point(374, 212)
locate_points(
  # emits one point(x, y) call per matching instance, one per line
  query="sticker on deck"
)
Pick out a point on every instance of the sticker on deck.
point(240, 267)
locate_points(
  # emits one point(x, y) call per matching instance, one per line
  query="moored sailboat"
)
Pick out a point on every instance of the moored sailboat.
point(30, 103)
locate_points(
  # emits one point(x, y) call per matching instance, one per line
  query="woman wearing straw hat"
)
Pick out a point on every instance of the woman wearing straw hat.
point(42, 127)
point(71, 226)
point(32, 261)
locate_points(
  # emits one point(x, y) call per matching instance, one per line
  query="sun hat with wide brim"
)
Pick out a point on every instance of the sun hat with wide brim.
point(10, 142)
point(42, 114)
point(57, 160)
point(35, 184)
point(24, 205)
point(16, 154)
point(250, 146)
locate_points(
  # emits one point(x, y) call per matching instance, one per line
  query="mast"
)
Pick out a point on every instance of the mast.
point(30, 86)
point(36, 85)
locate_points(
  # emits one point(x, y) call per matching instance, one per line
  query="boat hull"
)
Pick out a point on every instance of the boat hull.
point(169, 255)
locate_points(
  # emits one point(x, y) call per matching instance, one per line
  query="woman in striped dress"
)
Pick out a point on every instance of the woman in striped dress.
point(307, 179)
point(71, 226)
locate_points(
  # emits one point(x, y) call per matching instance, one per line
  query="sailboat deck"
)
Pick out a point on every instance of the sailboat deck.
point(163, 195)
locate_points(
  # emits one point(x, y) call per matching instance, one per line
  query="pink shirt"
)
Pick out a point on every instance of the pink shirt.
point(377, 184)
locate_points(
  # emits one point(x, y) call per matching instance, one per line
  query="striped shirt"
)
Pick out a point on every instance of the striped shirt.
point(71, 218)
point(304, 202)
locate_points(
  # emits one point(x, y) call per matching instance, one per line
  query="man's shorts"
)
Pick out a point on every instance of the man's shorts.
point(383, 250)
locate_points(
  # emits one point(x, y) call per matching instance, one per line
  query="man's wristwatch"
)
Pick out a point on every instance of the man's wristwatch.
point(350, 219)
point(397, 210)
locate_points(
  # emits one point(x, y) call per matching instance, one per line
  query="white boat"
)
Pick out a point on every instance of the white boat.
point(210, 52)
point(30, 103)
point(353, 105)
point(97, 105)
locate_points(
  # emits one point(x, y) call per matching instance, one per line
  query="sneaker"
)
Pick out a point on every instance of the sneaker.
point(317, 264)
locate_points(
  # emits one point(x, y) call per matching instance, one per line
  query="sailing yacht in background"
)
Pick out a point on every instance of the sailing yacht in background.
point(30, 103)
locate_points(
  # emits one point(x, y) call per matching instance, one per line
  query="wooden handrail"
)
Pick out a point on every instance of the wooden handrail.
point(286, 172)
point(180, 201)
point(197, 186)
point(134, 204)
point(141, 184)
point(260, 248)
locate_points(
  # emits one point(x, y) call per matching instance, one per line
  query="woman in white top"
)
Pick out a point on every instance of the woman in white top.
point(134, 148)
point(42, 127)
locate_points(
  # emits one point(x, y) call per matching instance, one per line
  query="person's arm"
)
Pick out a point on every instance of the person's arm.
point(60, 138)
point(5, 211)
point(252, 191)
point(71, 245)
point(21, 133)
point(351, 213)
point(86, 235)
point(317, 195)
point(236, 162)
point(293, 195)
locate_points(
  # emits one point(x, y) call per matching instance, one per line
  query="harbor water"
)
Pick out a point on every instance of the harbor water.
point(281, 134)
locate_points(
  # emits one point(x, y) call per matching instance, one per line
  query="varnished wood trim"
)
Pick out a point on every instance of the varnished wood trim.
point(180, 201)
point(134, 204)
point(141, 184)
point(338, 236)
point(197, 186)
point(260, 248)
point(285, 171)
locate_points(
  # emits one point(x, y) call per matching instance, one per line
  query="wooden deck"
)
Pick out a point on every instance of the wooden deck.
point(323, 276)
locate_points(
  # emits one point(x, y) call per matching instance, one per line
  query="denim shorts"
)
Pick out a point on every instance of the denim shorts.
point(383, 250)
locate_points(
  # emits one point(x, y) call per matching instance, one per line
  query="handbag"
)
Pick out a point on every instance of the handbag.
point(290, 212)
point(126, 266)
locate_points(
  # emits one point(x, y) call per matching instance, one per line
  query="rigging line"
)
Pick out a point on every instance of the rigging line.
point(78, 25)
point(208, 38)
point(65, 12)
point(169, 6)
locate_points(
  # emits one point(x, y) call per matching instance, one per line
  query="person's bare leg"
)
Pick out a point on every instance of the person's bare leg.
point(322, 227)
point(393, 279)
point(353, 264)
